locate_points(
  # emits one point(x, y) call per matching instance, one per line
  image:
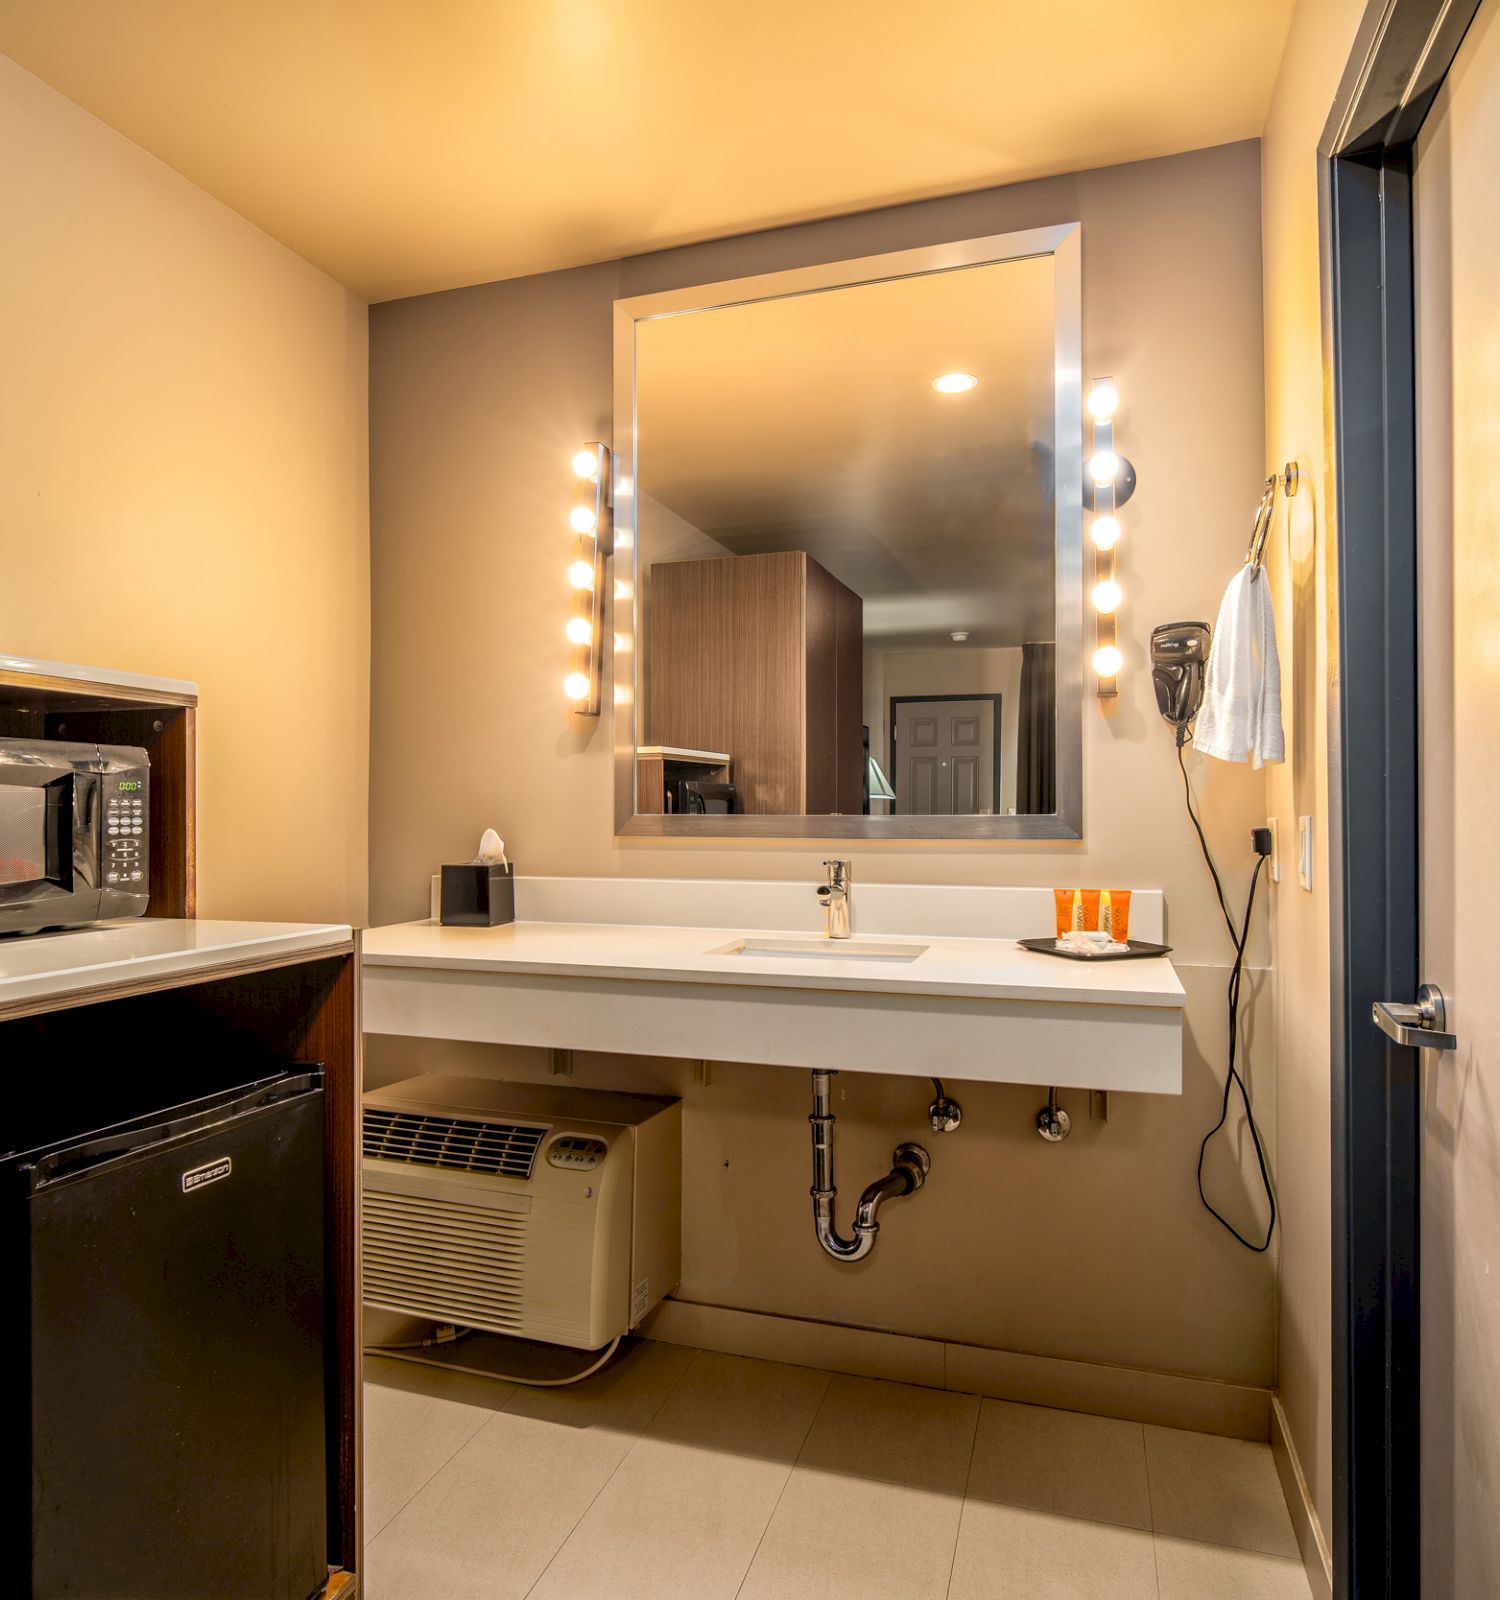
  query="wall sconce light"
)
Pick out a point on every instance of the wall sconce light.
point(592, 521)
point(1109, 481)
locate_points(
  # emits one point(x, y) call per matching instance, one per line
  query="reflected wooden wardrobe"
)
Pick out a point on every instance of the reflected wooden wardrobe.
point(761, 657)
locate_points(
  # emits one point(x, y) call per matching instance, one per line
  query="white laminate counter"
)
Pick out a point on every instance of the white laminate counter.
point(990, 969)
point(966, 1007)
point(133, 953)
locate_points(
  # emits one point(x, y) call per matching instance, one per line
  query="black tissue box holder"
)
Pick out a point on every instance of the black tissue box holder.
point(477, 894)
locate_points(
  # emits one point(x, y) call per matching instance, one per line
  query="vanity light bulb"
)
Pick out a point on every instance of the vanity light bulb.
point(1103, 465)
point(581, 574)
point(576, 686)
point(580, 630)
point(1104, 398)
point(1108, 661)
point(583, 519)
point(1107, 596)
point(586, 465)
point(1105, 532)
point(955, 383)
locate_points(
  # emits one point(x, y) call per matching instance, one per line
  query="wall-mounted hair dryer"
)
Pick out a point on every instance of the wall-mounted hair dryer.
point(1179, 660)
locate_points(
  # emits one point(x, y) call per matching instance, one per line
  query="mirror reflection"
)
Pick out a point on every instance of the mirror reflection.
point(846, 556)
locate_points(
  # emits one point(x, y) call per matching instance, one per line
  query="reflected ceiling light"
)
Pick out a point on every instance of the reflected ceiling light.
point(1107, 596)
point(583, 519)
point(586, 465)
point(580, 630)
point(1105, 533)
point(576, 686)
point(1104, 465)
point(1104, 398)
point(955, 383)
point(1108, 661)
point(959, 635)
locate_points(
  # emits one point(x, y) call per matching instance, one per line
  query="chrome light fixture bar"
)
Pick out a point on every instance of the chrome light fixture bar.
point(592, 521)
point(1108, 482)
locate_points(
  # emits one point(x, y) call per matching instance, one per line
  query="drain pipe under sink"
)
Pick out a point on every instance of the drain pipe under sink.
point(908, 1173)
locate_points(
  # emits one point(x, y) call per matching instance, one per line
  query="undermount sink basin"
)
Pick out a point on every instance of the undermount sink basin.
point(827, 949)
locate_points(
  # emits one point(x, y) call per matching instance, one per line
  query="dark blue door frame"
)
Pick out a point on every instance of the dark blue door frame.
point(1404, 51)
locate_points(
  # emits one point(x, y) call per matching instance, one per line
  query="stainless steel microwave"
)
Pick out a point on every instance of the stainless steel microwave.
point(75, 833)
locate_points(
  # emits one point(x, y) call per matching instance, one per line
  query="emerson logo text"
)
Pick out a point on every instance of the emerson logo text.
point(209, 1172)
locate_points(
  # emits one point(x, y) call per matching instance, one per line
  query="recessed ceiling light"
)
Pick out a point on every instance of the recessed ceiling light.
point(959, 635)
point(955, 383)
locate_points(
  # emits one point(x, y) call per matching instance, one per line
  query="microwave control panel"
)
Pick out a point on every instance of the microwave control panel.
point(126, 845)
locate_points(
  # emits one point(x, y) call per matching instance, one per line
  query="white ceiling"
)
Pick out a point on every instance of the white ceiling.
point(411, 145)
point(810, 423)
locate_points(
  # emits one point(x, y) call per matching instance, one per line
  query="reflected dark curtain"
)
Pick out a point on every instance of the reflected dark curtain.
point(1036, 743)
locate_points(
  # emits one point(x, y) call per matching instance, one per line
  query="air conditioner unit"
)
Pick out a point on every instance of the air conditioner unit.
point(547, 1213)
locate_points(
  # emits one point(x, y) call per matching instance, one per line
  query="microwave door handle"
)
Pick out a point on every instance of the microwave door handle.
point(58, 831)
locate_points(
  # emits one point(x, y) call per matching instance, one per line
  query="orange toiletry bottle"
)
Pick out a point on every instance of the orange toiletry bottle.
point(1114, 913)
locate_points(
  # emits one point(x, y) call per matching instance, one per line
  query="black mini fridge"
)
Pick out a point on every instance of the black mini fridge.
point(174, 1378)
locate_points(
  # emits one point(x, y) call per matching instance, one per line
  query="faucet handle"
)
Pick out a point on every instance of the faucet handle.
point(838, 874)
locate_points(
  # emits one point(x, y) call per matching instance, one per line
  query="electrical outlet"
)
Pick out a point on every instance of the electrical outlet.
point(1273, 866)
point(1304, 852)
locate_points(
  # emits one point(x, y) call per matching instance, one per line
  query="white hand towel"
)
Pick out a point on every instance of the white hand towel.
point(1241, 715)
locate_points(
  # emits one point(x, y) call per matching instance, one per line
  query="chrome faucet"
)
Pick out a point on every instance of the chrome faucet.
point(835, 897)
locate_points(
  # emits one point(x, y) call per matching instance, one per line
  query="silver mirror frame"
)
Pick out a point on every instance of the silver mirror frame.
point(1061, 242)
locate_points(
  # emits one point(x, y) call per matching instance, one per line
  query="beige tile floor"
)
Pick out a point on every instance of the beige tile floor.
point(682, 1475)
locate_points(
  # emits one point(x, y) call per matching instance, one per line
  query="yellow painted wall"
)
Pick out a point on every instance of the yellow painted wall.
point(184, 489)
point(1301, 568)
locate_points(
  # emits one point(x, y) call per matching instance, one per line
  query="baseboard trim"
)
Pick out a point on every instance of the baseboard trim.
point(1170, 1400)
point(1310, 1540)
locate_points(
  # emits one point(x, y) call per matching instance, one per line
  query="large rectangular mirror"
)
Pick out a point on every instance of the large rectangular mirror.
point(848, 581)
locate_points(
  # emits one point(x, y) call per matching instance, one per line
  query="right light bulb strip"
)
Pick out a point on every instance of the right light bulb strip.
point(1104, 470)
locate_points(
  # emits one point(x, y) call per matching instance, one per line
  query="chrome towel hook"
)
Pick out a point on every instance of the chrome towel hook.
point(1289, 478)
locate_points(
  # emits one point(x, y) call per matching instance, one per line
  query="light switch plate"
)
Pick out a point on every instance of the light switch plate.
point(1273, 866)
point(1304, 852)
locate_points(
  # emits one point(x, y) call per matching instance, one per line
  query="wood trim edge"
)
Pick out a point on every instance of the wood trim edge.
point(173, 980)
point(1299, 1503)
point(1203, 1405)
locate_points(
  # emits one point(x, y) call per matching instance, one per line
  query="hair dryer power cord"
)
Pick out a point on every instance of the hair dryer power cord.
point(1240, 938)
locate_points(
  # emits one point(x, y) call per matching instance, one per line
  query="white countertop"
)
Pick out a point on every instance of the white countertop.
point(145, 951)
point(968, 968)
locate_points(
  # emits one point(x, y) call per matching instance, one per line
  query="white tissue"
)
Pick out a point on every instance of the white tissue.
point(1085, 942)
point(491, 849)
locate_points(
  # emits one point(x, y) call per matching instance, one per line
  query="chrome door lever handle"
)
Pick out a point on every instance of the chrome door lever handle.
point(1420, 1027)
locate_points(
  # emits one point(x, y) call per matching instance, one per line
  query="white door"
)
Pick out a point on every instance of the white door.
point(944, 752)
point(1457, 210)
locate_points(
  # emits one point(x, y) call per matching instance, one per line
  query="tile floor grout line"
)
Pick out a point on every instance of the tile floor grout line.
point(963, 1499)
point(562, 1544)
point(781, 1493)
point(370, 1538)
point(1151, 1510)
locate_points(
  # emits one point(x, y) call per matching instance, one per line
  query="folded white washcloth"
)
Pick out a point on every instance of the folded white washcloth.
point(1241, 715)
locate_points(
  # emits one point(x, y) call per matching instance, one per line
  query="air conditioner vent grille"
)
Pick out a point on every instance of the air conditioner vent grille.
point(460, 1144)
point(446, 1262)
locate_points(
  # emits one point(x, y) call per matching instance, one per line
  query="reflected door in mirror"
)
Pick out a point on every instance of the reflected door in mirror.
point(947, 755)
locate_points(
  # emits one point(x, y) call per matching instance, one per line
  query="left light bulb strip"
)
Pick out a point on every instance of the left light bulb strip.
point(592, 522)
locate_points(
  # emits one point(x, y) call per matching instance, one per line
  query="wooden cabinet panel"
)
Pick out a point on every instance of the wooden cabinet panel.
point(761, 656)
point(849, 665)
point(822, 690)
